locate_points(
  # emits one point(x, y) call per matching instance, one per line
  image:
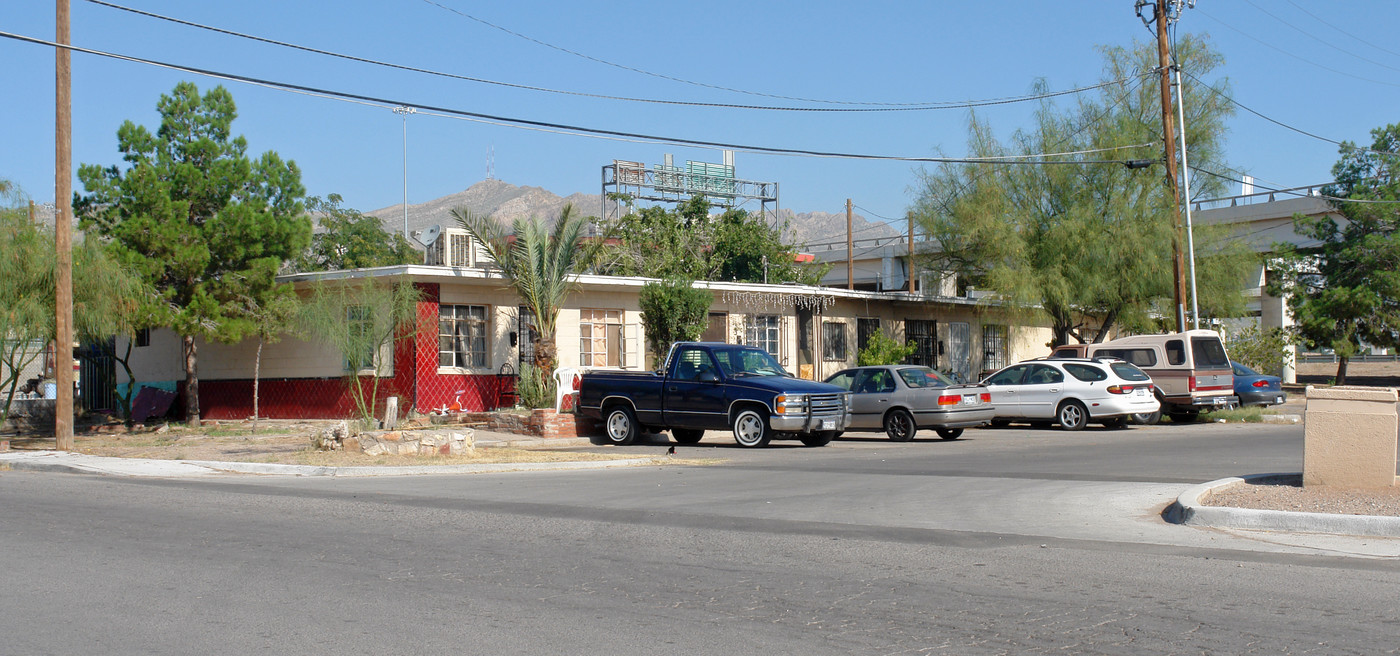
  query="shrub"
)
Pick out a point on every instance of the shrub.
point(536, 387)
point(1261, 350)
point(882, 349)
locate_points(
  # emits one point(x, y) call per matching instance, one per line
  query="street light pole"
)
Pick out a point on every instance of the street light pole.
point(404, 111)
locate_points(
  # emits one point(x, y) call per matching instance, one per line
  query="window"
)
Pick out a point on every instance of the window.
point(924, 334)
point(865, 328)
point(1128, 372)
point(1043, 375)
point(1142, 357)
point(1010, 376)
point(993, 347)
point(695, 365)
point(842, 380)
point(763, 331)
point(833, 341)
point(1207, 352)
point(360, 328)
point(143, 337)
point(462, 336)
point(924, 377)
point(1176, 352)
point(874, 381)
point(1086, 372)
point(604, 341)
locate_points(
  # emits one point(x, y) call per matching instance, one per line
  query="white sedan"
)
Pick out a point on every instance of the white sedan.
point(1071, 392)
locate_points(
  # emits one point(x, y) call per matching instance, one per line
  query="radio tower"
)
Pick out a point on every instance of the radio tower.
point(491, 163)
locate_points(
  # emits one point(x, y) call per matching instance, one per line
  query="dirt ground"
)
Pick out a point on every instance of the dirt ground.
point(276, 441)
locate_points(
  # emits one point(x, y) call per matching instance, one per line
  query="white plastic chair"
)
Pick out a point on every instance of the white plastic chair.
point(566, 381)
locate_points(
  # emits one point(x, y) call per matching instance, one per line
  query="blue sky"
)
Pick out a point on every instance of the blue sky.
point(1328, 68)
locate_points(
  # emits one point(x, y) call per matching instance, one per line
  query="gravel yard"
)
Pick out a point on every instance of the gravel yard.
point(1288, 493)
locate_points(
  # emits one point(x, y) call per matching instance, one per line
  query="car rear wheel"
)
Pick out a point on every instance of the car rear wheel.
point(620, 427)
point(899, 425)
point(687, 435)
point(751, 428)
point(950, 433)
point(1072, 415)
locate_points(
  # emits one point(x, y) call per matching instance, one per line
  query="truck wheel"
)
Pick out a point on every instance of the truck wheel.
point(821, 438)
point(899, 425)
point(1072, 415)
point(687, 435)
point(620, 427)
point(950, 433)
point(1146, 418)
point(751, 428)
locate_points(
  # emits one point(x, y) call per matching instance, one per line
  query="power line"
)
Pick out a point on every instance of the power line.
point(1348, 34)
point(1285, 52)
point(577, 130)
point(1281, 123)
point(1317, 38)
point(905, 107)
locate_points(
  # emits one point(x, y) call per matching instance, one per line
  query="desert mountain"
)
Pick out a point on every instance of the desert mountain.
point(507, 202)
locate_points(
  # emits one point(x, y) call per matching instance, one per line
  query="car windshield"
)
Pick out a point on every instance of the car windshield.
point(748, 362)
point(923, 377)
point(1129, 372)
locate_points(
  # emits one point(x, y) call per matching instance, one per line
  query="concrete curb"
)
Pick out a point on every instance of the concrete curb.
point(1187, 509)
point(75, 463)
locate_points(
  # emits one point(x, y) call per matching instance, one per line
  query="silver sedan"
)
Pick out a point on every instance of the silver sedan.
point(901, 399)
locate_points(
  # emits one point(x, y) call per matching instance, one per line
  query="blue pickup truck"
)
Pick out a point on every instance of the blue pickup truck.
point(712, 386)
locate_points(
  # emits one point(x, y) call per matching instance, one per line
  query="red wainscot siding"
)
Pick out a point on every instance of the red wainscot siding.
point(473, 392)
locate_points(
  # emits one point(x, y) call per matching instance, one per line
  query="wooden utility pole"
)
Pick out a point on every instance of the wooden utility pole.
point(1169, 142)
point(63, 237)
point(850, 250)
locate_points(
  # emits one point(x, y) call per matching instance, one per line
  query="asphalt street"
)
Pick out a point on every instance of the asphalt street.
point(1007, 541)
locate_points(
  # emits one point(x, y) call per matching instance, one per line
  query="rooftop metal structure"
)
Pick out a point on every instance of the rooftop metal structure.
point(669, 183)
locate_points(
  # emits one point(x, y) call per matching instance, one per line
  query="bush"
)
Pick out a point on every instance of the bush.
point(1261, 350)
point(882, 349)
point(536, 388)
point(673, 311)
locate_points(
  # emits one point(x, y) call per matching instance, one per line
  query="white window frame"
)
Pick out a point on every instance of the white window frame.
point(761, 330)
point(464, 359)
point(596, 339)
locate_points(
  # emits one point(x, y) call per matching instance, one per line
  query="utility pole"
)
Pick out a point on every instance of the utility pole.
point(404, 112)
point(850, 250)
point(63, 238)
point(1164, 64)
point(911, 253)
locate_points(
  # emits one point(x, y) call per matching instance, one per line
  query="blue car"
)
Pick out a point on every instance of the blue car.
point(1254, 388)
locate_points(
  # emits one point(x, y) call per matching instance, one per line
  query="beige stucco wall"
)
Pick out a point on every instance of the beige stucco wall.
point(1349, 437)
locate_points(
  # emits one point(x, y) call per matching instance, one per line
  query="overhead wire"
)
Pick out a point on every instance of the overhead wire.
point(1294, 56)
point(574, 129)
point(1348, 34)
point(1294, 192)
point(1317, 38)
point(892, 107)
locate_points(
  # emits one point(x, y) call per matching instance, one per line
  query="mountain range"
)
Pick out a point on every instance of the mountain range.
point(506, 202)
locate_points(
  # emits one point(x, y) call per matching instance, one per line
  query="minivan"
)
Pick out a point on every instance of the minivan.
point(1191, 370)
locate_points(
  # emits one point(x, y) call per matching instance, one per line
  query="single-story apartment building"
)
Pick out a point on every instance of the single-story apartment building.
point(472, 337)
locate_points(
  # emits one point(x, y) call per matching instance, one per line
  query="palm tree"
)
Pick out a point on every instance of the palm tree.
point(539, 263)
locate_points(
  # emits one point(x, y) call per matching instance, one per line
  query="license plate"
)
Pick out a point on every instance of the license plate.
point(970, 399)
point(828, 424)
point(1220, 400)
point(1141, 391)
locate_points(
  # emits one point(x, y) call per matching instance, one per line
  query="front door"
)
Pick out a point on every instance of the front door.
point(1004, 386)
point(694, 396)
point(1041, 391)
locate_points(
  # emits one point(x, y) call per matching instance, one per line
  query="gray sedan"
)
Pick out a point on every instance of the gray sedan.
point(901, 399)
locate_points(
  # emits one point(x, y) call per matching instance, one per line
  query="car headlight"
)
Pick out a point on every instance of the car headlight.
point(791, 404)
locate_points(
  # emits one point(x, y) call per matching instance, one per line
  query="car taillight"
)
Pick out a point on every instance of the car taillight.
point(1191, 383)
point(986, 397)
point(1120, 389)
point(1260, 383)
point(949, 399)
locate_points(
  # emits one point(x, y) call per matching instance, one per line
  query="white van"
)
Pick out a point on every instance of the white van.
point(1191, 370)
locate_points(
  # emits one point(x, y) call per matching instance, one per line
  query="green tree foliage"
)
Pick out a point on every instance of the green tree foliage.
point(688, 243)
point(1087, 245)
point(1264, 351)
point(536, 387)
point(883, 349)
point(349, 239)
point(362, 321)
point(103, 293)
point(541, 264)
point(1345, 292)
point(197, 219)
point(673, 311)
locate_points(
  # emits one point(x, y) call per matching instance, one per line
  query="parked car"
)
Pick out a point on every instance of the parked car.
point(901, 399)
point(713, 386)
point(1190, 370)
point(1071, 392)
point(1255, 388)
